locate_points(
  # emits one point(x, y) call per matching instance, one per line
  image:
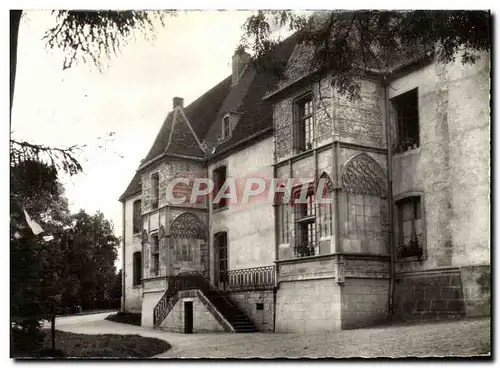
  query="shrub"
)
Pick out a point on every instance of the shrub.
point(126, 317)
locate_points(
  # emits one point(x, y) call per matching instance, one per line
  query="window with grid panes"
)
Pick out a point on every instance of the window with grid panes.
point(137, 267)
point(305, 221)
point(137, 225)
point(155, 255)
point(221, 246)
point(364, 214)
point(155, 190)
point(305, 131)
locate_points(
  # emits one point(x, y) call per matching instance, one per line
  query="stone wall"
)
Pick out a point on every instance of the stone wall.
point(362, 121)
point(429, 295)
point(249, 226)
point(308, 306)
point(248, 301)
point(451, 167)
point(203, 319)
point(149, 301)
point(283, 116)
point(476, 285)
point(364, 302)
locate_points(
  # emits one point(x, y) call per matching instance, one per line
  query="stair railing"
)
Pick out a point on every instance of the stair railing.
point(189, 280)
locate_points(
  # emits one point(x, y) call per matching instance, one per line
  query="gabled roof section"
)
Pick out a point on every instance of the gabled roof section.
point(133, 187)
point(199, 114)
point(256, 114)
point(183, 139)
point(184, 130)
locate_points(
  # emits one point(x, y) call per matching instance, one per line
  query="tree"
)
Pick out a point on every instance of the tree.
point(92, 255)
point(35, 264)
point(350, 43)
point(88, 36)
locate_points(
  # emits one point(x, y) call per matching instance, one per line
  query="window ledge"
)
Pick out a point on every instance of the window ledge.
point(411, 259)
point(139, 286)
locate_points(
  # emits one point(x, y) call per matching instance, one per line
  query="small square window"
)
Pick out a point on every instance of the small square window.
point(259, 306)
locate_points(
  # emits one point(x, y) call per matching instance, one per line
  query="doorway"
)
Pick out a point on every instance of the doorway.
point(188, 317)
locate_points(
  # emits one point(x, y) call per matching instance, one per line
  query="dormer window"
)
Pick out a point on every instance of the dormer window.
point(226, 127)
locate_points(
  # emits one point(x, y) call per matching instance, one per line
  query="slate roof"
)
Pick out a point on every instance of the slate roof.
point(205, 114)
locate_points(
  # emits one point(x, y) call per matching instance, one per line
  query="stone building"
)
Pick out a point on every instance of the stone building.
point(405, 235)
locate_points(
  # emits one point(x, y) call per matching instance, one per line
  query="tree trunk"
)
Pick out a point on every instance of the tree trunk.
point(53, 329)
point(15, 21)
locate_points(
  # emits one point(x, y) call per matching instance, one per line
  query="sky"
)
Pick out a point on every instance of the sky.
point(130, 97)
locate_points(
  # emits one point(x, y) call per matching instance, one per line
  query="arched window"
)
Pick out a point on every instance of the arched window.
point(365, 185)
point(226, 127)
point(325, 206)
point(137, 268)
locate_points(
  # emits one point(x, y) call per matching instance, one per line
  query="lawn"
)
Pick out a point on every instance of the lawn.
point(104, 346)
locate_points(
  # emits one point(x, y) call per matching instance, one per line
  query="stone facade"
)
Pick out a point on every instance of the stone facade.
point(258, 306)
point(345, 281)
point(203, 318)
point(308, 306)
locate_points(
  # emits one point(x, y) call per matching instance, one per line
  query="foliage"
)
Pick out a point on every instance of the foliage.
point(90, 35)
point(350, 43)
point(126, 317)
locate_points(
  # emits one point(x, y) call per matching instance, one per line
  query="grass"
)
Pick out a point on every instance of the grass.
point(125, 317)
point(73, 345)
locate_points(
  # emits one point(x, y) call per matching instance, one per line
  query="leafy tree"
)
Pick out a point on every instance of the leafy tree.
point(350, 43)
point(88, 36)
point(92, 256)
point(35, 264)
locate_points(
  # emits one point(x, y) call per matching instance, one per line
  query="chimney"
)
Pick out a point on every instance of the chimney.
point(178, 101)
point(240, 61)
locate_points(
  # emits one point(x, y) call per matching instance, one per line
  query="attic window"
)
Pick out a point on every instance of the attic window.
point(226, 127)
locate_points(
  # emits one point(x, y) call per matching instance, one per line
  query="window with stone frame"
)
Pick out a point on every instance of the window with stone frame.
point(219, 177)
point(304, 123)
point(137, 268)
point(220, 242)
point(324, 207)
point(155, 190)
point(155, 255)
point(136, 216)
point(410, 227)
point(226, 127)
point(305, 225)
point(283, 218)
point(407, 121)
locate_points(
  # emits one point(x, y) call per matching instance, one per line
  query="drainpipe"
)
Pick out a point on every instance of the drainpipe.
point(123, 258)
point(389, 199)
point(276, 249)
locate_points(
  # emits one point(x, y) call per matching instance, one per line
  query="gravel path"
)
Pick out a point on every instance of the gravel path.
point(457, 338)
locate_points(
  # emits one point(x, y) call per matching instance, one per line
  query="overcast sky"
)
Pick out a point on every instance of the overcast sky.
point(131, 97)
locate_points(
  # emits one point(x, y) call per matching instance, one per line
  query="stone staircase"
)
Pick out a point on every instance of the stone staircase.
point(237, 319)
